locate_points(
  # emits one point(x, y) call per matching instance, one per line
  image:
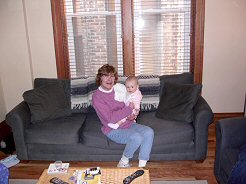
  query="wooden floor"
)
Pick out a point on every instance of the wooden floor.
point(173, 170)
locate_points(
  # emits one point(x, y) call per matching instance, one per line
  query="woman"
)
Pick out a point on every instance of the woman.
point(110, 110)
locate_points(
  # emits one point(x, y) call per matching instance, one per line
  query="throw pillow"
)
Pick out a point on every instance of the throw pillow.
point(177, 101)
point(47, 102)
point(183, 78)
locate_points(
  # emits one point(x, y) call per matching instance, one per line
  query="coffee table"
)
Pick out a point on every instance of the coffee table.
point(109, 175)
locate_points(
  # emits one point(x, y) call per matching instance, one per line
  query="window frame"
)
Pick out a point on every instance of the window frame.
point(197, 39)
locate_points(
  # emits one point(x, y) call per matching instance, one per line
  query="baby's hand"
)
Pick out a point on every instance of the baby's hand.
point(131, 117)
point(136, 112)
point(131, 105)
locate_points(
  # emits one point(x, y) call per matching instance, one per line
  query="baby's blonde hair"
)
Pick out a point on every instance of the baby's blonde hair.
point(132, 78)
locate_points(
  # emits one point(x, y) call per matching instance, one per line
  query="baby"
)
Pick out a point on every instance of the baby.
point(133, 96)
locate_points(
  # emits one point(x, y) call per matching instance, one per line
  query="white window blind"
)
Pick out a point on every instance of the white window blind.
point(161, 36)
point(94, 35)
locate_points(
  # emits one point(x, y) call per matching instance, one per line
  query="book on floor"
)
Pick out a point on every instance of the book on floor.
point(10, 161)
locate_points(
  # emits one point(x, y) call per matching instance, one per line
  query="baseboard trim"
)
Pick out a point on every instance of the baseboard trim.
point(228, 115)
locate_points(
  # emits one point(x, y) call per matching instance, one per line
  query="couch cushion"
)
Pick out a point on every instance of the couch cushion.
point(166, 131)
point(91, 134)
point(177, 101)
point(60, 131)
point(167, 134)
point(47, 102)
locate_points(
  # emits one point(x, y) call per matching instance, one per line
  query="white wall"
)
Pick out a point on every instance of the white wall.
point(27, 51)
point(2, 103)
point(41, 40)
point(15, 66)
point(224, 71)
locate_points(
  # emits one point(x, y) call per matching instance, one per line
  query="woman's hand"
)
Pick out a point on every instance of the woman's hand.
point(131, 117)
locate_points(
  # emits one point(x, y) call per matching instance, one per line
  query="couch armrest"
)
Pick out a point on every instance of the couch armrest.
point(230, 134)
point(203, 117)
point(18, 119)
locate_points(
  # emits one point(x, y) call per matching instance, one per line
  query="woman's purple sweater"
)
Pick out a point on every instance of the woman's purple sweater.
point(109, 110)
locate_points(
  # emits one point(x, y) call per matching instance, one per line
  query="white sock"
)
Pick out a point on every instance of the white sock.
point(124, 159)
point(142, 163)
point(113, 125)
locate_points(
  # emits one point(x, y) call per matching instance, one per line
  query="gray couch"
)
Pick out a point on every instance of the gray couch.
point(230, 137)
point(77, 137)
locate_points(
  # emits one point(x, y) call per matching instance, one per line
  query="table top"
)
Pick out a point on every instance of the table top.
point(108, 175)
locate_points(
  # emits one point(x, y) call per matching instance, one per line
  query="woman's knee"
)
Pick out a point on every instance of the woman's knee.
point(149, 132)
point(136, 137)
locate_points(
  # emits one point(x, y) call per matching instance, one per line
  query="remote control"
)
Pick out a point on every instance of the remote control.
point(56, 180)
point(133, 176)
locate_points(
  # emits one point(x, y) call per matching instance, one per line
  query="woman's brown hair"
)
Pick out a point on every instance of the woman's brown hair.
point(106, 70)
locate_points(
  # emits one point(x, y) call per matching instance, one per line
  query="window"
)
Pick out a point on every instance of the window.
point(137, 37)
point(162, 36)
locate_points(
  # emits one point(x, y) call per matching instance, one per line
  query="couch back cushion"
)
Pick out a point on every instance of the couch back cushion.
point(83, 88)
point(149, 86)
point(81, 94)
point(79, 90)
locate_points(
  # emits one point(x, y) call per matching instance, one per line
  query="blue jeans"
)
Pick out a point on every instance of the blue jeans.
point(137, 136)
